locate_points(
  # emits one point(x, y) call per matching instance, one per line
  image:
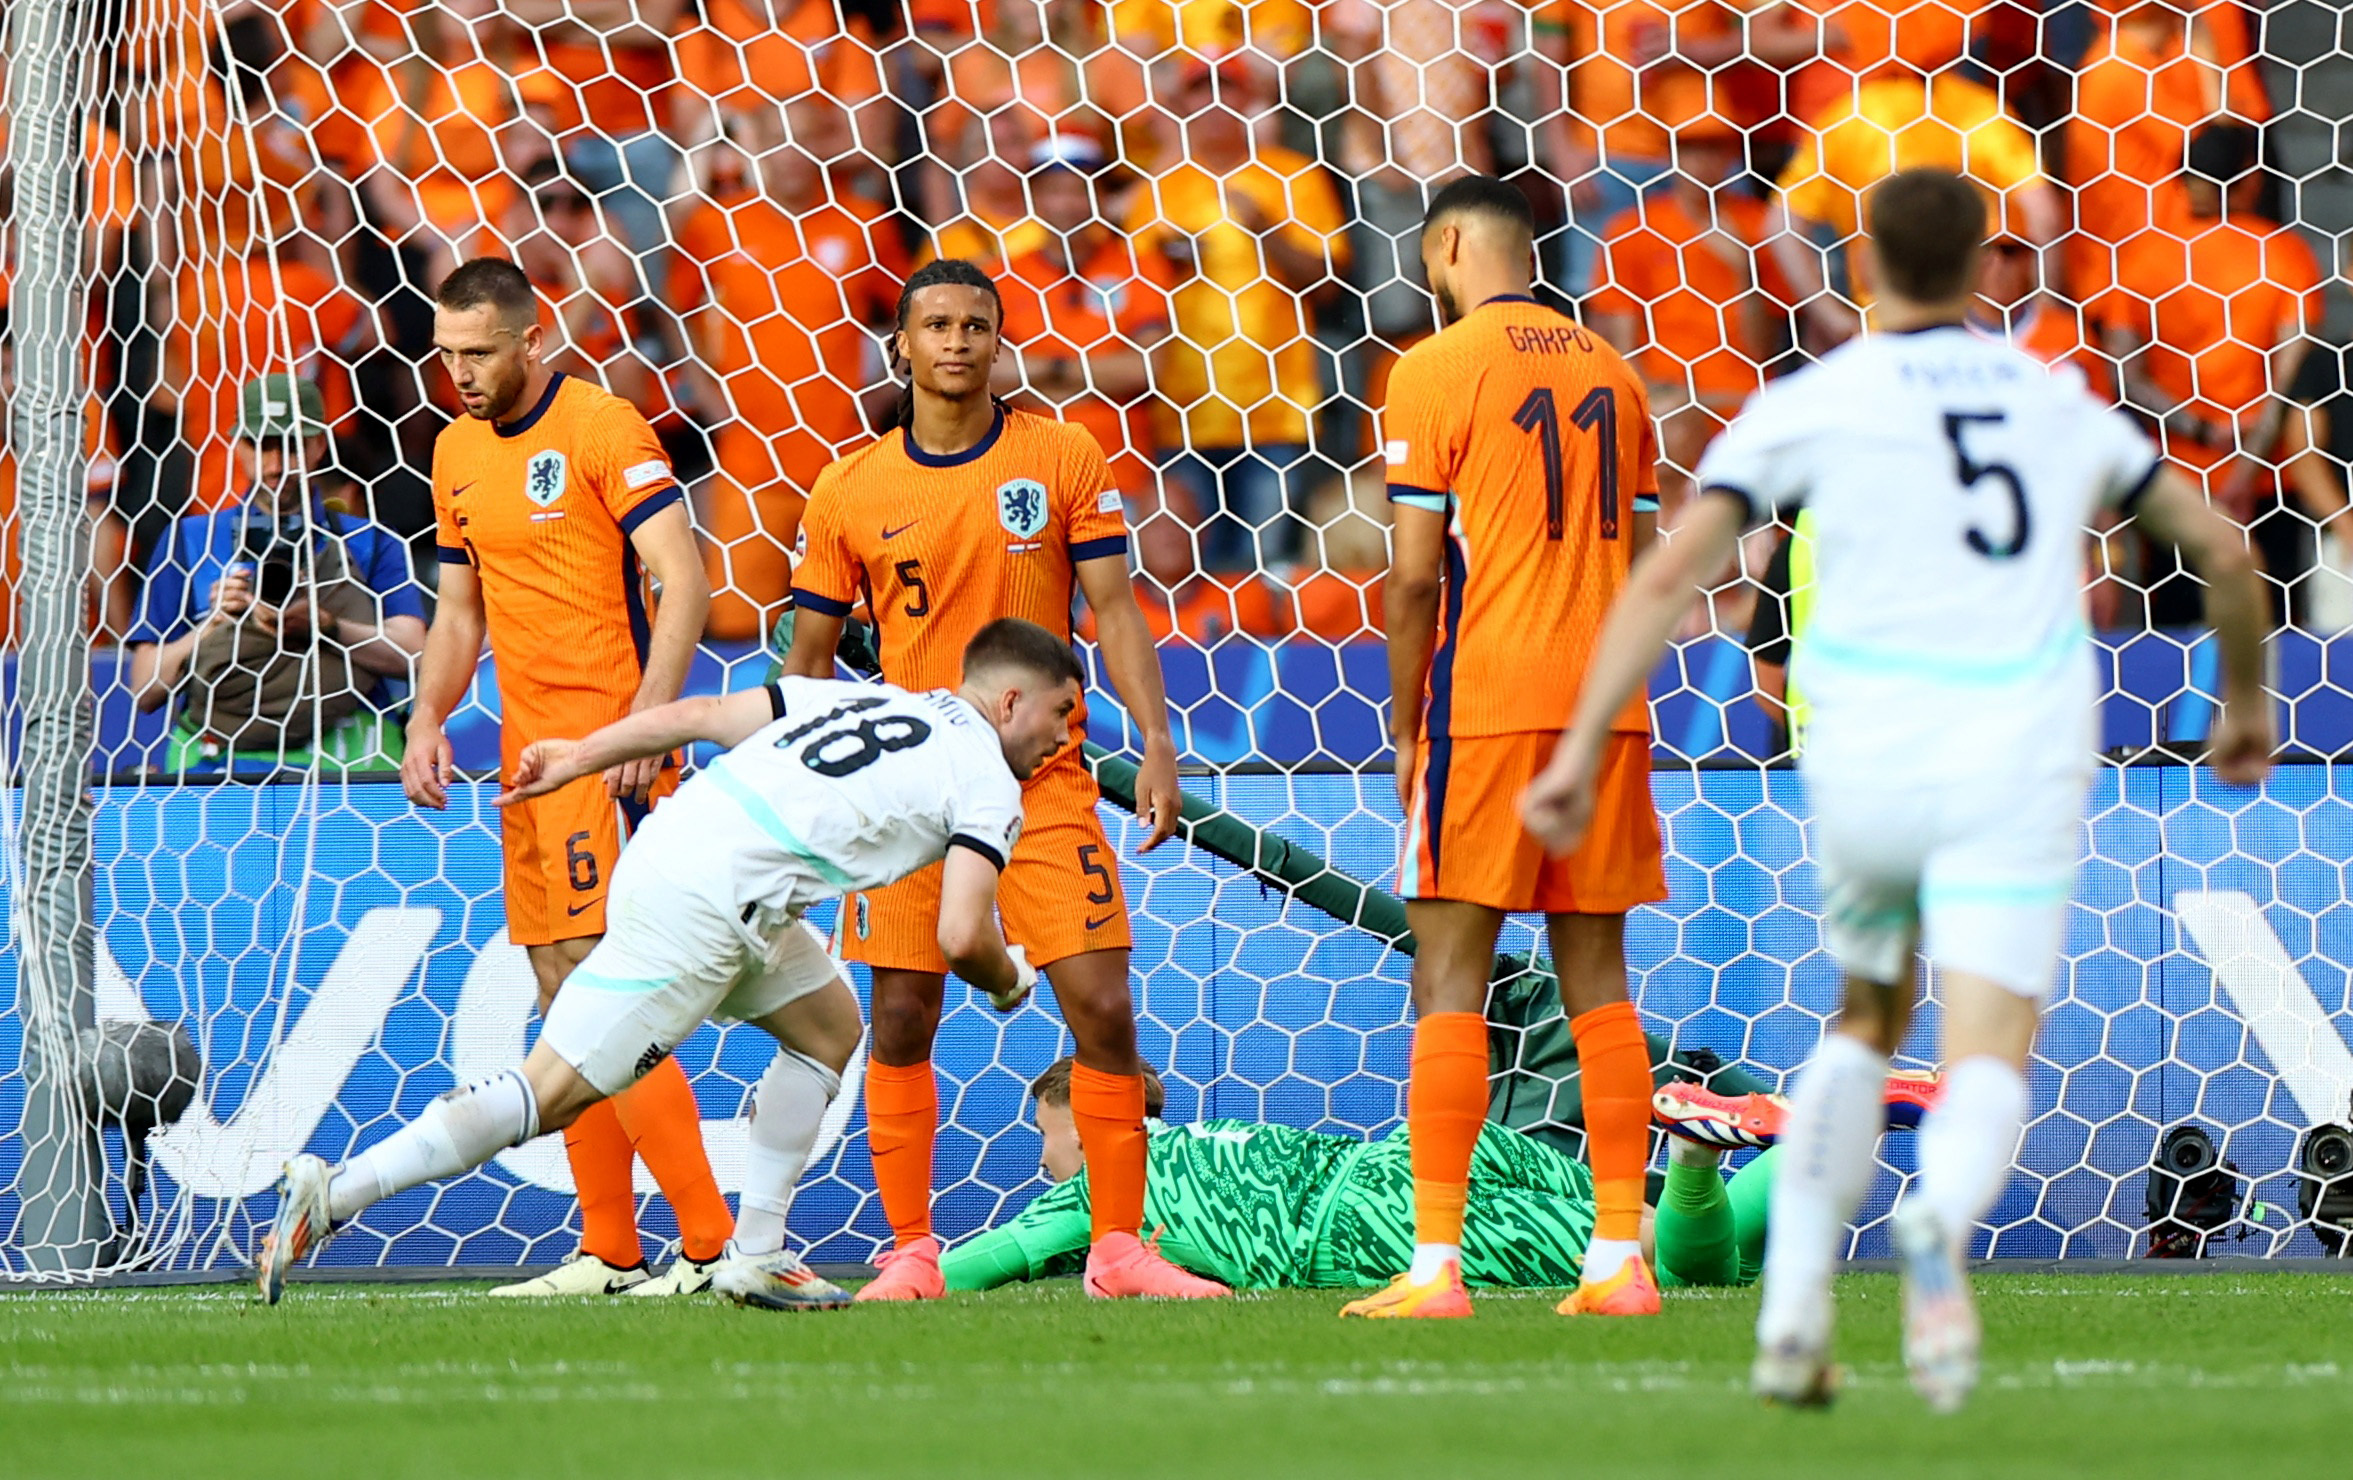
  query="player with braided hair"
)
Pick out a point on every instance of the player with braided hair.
point(963, 512)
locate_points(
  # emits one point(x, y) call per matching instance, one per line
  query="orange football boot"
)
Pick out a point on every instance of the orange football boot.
point(1629, 1292)
point(1121, 1266)
point(1439, 1299)
point(911, 1273)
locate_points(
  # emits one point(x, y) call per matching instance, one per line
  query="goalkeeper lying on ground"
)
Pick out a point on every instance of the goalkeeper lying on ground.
point(1271, 1207)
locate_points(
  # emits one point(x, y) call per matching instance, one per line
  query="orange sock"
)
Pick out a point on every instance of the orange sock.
point(902, 1116)
point(665, 1127)
point(601, 1161)
point(1445, 1104)
point(1613, 1063)
point(1109, 1112)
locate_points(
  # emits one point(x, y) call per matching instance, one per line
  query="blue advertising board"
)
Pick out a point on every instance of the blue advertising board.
point(339, 958)
point(1307, 702)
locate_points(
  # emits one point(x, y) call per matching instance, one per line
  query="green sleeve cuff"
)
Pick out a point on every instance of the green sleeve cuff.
point(1020, 1250)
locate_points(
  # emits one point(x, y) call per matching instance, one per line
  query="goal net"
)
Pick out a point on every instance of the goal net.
point(1203, 214)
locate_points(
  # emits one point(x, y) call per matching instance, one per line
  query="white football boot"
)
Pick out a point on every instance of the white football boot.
point(1794, 1374)
point(684, 1277)
point(301, 1226)
point(1940, 1321)
point(582, 1274)
point(778, 1281)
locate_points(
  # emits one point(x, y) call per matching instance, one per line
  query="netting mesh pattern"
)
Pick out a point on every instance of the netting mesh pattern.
point(2208, 961)
point(1203, 216)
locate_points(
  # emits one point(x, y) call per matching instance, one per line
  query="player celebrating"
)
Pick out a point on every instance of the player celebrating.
point(1521, 466)
point(1952, 684)
point(549, 495)
point(966, 512)
point(706, 905)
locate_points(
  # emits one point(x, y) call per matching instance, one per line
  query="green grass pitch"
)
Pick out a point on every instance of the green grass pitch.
point(2229, 1374)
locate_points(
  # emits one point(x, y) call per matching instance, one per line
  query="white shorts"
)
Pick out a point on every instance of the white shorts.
point(669, 960)
point(1978, 872)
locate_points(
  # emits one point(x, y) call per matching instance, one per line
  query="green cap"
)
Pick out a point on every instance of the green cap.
point(282, 406)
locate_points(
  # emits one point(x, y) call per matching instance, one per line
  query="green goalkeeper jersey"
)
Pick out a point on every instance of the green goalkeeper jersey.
point(1272, 1207)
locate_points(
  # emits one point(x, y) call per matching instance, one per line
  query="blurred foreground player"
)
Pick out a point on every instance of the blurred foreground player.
point(1523, 474)
point(554, 503)
point(706, 919)
point(1950, 673)
point(963, 513)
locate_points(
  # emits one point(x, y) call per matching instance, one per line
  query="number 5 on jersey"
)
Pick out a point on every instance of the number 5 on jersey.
point(1969, 471)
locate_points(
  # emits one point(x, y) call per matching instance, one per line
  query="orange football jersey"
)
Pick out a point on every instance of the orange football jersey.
point(942, 546)
point(543, 509)
point(1535, 439)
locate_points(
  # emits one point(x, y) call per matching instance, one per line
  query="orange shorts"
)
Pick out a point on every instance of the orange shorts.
point(1060, 895)
point(560, 851)
point(1463, 838)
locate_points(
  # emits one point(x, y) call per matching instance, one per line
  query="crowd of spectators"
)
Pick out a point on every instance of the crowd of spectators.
point(1202, 213)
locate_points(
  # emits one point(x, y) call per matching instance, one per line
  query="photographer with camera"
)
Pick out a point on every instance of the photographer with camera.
point(281, 625)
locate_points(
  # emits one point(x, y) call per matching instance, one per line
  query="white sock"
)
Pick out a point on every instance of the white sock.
point(1969, 1140)
point(1606, 1256)
point(786, 1111)
point(1826, 1166)
point(1692, 1154)
point(459, 1131)
point(1428, 1259)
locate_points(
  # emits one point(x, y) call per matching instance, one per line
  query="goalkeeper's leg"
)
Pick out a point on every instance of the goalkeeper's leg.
point(1695, 1234)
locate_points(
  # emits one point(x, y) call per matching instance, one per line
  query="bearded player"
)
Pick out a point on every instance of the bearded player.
point(965, 512)
point(554, 503)
point(1521, 474)
point(706, 917)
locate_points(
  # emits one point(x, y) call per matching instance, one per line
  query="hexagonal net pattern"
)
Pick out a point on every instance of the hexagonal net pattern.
point(1202, 218)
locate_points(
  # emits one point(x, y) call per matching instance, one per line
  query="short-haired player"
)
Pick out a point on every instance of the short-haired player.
point(1523, 476)
point(964, 512)
point(553, 504)
point(824, 786)
point(1950, 478)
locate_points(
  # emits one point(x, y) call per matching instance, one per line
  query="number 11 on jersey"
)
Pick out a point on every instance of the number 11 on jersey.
point(1539, 416)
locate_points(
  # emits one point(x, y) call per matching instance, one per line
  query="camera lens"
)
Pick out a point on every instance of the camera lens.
point(2330, 1153)
point(2188, 1151)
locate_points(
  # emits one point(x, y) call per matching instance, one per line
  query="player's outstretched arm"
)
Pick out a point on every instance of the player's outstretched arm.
point(723, 719)
point(1664, 583)
point(2245, 732)
point(1052, 1227)
point(453, 645)
point(1134, 666)
point(968, 934)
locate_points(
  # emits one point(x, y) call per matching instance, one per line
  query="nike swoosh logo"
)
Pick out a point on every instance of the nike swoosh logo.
point(462, 487)
point(578, 909)
point(1095, 925)
point(892, 534)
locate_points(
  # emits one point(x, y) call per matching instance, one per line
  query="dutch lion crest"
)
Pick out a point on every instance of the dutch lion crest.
point(1021, 507)
point(543, 477)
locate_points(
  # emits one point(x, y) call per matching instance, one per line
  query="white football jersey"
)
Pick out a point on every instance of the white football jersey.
point(851, 786)
point(1950, 479)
